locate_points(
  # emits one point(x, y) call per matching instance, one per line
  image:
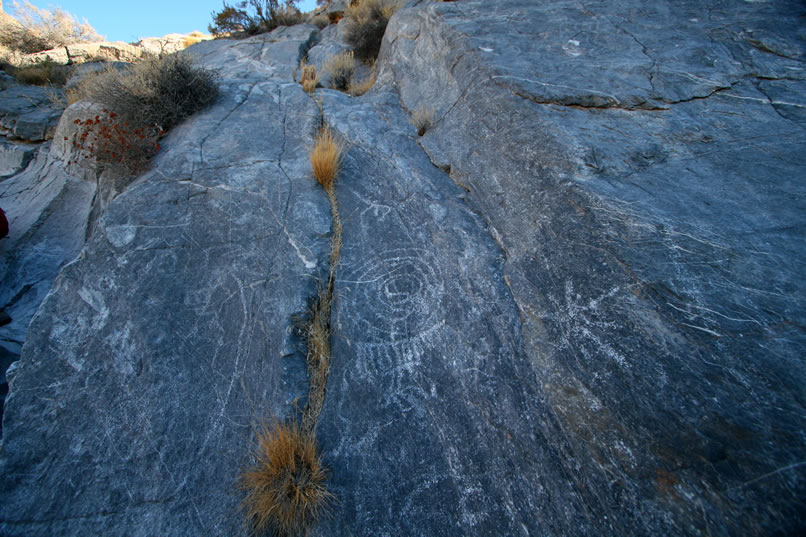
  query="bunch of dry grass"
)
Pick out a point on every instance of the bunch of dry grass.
point(422, 119)
point(326, 157)
point(340, 67)
point(285, 490)
point(316, 332)
point(42, 73)
point(42, 29)
point(366, 24)
point(191, 40)
point(310, 78)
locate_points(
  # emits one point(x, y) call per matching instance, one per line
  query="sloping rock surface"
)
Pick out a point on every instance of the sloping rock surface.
point(27, 113)
point(573, 307)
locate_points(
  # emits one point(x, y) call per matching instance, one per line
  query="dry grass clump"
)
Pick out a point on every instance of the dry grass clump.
point(43, 73)
point(285, 490)
point(422, 119)
point(191, 40)
point(366, 24)
point(316, 332)
point(340, 67)
point(42, 29)
point(326, 157)
point(310, 78)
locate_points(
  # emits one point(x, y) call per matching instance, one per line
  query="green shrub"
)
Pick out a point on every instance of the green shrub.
point(254, 17)
point(340, 67)
point(366, 24)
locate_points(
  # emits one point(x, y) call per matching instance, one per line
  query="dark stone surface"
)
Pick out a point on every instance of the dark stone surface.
point(646, 188)
point(573, 307)
point(155, 353)
point(28, 112)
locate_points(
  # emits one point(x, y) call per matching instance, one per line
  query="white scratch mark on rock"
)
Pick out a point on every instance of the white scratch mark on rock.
point(547, 84)
point(305, 261)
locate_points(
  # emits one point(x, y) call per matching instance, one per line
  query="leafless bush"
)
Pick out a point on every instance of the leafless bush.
point(366, 24)
point(142, 102)
point(254, 17)
point(42, 29)
point(157, 91)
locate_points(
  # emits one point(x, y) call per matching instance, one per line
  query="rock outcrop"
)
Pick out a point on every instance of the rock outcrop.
point(572, 307)
point(112, 51)
point(27, 114)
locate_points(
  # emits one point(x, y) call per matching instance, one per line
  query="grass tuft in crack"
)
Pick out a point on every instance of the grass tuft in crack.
point(326, 156)
point(285, 489)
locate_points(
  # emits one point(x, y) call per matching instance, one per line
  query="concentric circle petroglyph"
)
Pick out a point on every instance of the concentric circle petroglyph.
point(396, 296)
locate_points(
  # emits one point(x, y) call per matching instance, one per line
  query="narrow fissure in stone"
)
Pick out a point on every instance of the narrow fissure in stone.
point(317, 328)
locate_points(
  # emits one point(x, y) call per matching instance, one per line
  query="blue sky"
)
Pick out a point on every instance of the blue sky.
point(131, 20)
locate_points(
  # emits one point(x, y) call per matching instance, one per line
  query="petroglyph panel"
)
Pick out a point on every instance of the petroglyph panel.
point(405, 288)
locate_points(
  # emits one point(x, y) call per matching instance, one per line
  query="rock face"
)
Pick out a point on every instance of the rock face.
point(572, 307)
point(27, 113)
point(109, 51)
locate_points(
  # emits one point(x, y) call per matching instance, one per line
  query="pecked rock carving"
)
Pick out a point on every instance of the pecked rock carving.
point(572, 307)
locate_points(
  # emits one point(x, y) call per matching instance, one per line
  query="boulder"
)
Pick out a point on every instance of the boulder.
point(28, 113)
point(572, 307)
point(167, 44)
point(14, 156)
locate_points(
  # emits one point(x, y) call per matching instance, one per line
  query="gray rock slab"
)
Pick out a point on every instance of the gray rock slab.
point(171, 336)
point(28, 112)
point(646, 192)
point(573, 307)
point(14, 157)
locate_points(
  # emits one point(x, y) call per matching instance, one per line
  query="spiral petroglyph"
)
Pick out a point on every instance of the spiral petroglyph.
point(405, 291)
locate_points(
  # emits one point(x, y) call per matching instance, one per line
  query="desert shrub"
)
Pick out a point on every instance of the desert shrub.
point(321, 21)
point(366, 24)
point(157, 91)
point(326, 156)
point(115, 143)
point(144, 101)
point(285, 489)
point(254, 17)
point(42, 73)
point(42, 29)
point(310, 78)
point(422, 119)
point(288, 15)
point(340, 67)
